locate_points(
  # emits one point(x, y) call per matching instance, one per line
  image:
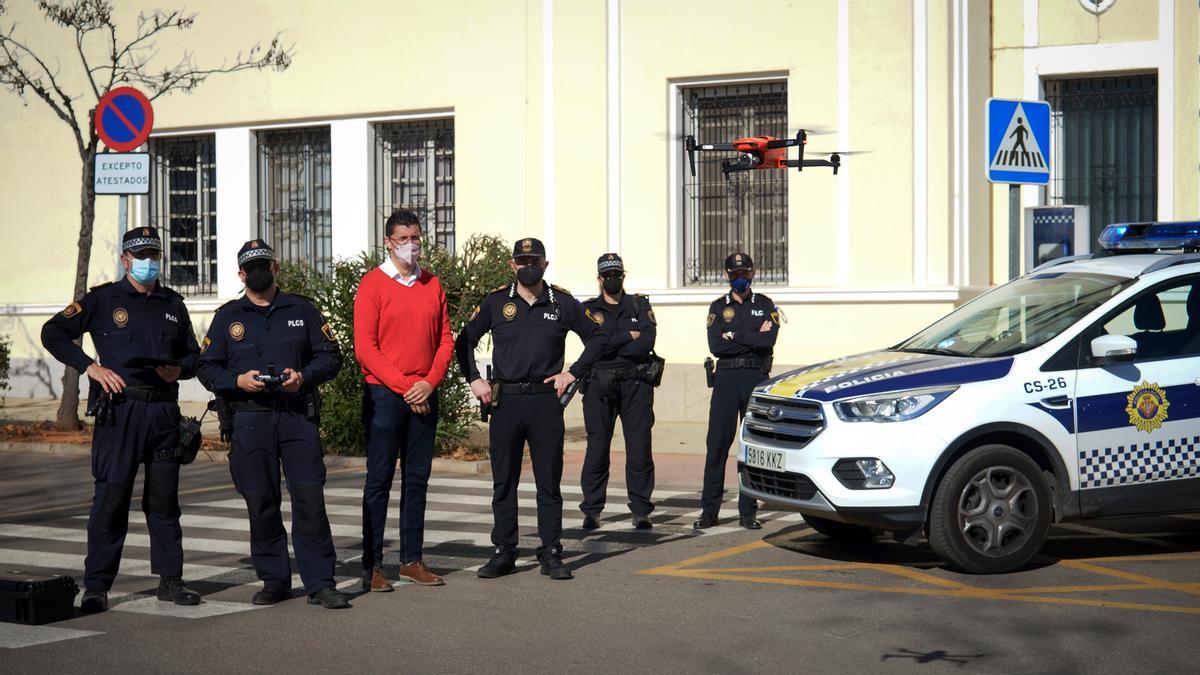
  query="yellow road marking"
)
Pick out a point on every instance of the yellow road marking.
point(916, 575)
point(1132, 576)
point(965, 592)
point(709, 557)
point(779, 568)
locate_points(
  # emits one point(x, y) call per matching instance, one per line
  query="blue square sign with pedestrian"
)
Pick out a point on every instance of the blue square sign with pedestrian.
point(1018, 141)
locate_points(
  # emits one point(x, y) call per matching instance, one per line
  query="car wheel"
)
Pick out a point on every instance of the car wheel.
point(836, 530)
point(991, 512)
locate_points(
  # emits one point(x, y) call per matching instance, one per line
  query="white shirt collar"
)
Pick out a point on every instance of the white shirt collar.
point(389, 268)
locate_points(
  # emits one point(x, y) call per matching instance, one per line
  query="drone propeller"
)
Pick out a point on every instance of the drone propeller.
point(844, 152)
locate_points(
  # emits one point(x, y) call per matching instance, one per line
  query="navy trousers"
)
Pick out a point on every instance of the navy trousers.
point(538, 419)
point(262, 442)
point(730, 396)
point(140, 429)
point(395, 431)
point(633, 402)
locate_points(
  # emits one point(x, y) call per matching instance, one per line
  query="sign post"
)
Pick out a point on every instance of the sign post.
point(124, 119)
point(1018, 137)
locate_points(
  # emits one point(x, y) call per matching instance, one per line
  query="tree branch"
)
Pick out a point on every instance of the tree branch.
point(14, 76)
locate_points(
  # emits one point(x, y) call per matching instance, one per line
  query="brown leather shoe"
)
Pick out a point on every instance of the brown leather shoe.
point(379, 582)
point(418, 573)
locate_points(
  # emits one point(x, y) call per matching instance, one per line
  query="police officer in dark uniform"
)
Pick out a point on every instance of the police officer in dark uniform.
point(620, 385)
point(265, 353)
point(529, 320)
point(742, 328)
point(144, 345)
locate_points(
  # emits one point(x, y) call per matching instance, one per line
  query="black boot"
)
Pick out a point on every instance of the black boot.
point(329, 598)
point(642, 522)
point(502, 563)
point(590, 522)
point(270, 595)
point(94, 600)
point(553, 566)
point(706, 521)
point(749, 522)
point(173, 589)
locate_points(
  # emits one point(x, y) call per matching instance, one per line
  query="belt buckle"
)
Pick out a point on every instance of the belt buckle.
point(526, 388)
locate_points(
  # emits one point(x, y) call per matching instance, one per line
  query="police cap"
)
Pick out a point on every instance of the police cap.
point(609, 262)
point(738, 261)
point(529, 247)
point(253, 250)
point(141, 238)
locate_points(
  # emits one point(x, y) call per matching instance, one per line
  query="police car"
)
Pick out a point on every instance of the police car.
point(1070, 393)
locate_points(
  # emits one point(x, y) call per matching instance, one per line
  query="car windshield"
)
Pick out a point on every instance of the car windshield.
point(1017, 316)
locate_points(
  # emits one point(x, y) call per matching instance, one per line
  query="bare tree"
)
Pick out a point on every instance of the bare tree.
point(106, 57)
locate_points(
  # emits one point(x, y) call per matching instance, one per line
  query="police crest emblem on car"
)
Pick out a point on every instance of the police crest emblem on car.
point(1147, 406)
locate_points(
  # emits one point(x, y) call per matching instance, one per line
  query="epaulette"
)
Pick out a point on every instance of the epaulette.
point(591, 300)
point(99, 286)
point(501, 287)
point(230, 302)
point(302, 297)
point(560, 289)
point(171, 292)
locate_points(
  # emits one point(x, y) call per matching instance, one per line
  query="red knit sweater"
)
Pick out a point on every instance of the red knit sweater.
point(401, 333)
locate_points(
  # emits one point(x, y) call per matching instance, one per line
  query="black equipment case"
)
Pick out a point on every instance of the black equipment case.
point(36, 598)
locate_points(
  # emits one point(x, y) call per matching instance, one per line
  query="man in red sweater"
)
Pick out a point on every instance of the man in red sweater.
point(402, 340)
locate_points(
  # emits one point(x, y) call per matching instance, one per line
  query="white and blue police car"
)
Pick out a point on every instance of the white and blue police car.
point(1070, 393)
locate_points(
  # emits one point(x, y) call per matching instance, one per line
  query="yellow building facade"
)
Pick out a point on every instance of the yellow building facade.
point(566, 119)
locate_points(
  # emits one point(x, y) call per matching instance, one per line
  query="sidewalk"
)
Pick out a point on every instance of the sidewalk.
point(678, 446)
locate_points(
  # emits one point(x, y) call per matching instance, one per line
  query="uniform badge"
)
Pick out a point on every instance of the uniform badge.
point(328, 333)
point(509, 311)
point(1147, 406)
point(72, 309)
point(526, 245)
point(727, 314)
point(598, 317)
point(711, 318)
point(145, 232)
point(120, 317)
point(254, 244)
point(204, 344)
point(237, 331)
point(650, 313)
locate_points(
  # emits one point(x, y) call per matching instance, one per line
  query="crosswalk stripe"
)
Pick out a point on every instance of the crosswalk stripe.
point(16, 636)
point(129, 566)
point(79, 536)
point(528, 486)
point(341, 510)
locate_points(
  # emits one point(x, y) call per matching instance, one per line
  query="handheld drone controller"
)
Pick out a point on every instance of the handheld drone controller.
point(269, 380)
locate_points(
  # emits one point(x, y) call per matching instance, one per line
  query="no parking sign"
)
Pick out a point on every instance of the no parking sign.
point(124, 119)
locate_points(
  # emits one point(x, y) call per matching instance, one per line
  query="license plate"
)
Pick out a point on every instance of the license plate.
point(772, 460)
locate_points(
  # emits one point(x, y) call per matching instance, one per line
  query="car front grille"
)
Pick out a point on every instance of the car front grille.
point(783, 422)
point(776, 484)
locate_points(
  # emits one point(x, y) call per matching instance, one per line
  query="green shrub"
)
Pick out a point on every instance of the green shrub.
point(481, 265)
point(5, 353)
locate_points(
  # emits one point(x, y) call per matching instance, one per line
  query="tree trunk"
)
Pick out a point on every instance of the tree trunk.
point(68, 409)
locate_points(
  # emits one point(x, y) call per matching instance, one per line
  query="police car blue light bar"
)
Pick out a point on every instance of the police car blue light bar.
point(1151, 236)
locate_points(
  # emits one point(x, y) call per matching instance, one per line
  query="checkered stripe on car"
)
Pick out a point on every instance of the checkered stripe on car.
point(1168, 459)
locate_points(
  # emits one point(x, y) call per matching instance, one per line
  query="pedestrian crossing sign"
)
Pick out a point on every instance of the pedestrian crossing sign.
point(1018, 136)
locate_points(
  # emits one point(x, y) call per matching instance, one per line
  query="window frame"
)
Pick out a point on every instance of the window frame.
point(205, 214)
point(1083, 340)
point(444, 183)
point(314, 245)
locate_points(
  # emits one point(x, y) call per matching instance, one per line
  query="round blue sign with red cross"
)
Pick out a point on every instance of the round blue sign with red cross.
point(124, 119)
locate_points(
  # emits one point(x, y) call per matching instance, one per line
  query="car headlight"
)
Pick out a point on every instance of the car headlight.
point(891, 407)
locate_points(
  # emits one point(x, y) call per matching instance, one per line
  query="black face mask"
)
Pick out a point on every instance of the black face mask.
point(529, 275)
point(259, 279)
point(612, 285)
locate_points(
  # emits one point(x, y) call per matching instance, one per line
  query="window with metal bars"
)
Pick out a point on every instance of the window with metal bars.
point(749, 211)
point(1104, 147)
point(414, 169)
point(294, 194)
point(183, 206)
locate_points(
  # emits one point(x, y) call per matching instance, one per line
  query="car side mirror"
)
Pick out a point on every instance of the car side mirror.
point(1113, 349)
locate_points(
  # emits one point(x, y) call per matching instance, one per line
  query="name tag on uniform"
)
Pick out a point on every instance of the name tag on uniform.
point(756, 312)
point(295, 323)
point(634, 319)
point(550, 317)
point(172, 317)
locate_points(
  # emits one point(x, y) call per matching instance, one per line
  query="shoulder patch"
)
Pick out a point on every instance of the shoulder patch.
point(204, 344)
point(711, 318)
point(328, 332)
point(474, 313)
point(71, 310)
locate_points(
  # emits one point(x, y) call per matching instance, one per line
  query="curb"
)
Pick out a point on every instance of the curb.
point(440, 464)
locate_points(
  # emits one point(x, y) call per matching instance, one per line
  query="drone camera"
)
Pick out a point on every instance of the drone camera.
point(748, 160)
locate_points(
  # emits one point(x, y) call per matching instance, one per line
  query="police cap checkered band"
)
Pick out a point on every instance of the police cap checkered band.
point(254, 249)
point(738, 261)
point(609, 261)
point(141, 237)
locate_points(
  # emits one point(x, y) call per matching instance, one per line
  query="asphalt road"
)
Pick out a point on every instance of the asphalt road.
point(1113, 596)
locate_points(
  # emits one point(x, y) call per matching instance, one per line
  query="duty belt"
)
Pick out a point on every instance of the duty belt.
point(754, 362)
point(525, 387)
point(148, 394)
point(270, 405)
point(615, 374)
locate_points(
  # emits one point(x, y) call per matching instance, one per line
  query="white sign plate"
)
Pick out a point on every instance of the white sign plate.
point(122, 173)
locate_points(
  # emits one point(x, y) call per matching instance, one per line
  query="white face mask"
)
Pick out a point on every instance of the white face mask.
point(407, 253)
